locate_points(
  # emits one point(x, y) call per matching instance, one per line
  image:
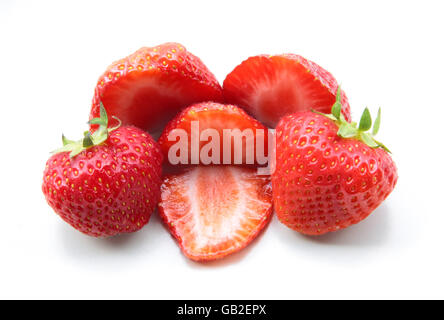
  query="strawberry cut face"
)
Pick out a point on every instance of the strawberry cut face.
point(215, 211)
point(270, 87)
point(146, 100)
point(149, 87)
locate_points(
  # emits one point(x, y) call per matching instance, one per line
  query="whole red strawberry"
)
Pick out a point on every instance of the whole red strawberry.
point(107, 183)
point(150, 86)
point(271, 86)
point(329, 173)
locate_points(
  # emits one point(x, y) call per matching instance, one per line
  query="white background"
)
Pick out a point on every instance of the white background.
point(385, 53)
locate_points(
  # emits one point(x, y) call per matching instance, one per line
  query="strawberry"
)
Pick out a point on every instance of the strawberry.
point(107, 183)
point(149, 87)
point(214, 211)
point(270, 87)
point(219, 117)
point(329, 173)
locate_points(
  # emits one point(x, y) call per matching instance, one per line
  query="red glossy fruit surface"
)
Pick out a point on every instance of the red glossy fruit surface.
point(217, 117)
point(323, 182)
point(107, 189)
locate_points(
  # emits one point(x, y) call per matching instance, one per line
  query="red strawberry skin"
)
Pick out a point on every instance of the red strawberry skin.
point(108, 189)
point(270, 87)
point(214, 211)
point(323, 182)
point(150, 86)
point(211, 115)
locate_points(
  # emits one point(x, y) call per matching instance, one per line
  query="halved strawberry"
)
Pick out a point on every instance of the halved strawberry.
point(149, 87)
point(218, 117)
point(215, 211)
point(270, 87)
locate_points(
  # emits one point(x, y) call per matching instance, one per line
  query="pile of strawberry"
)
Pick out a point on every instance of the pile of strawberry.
point(329, 172)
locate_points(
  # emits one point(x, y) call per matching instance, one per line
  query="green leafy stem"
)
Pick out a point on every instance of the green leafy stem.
point(89, 139)
point(350, 130)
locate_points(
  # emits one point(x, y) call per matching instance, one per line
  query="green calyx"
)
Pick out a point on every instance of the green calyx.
point(89, 139)
point(353, 130)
